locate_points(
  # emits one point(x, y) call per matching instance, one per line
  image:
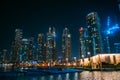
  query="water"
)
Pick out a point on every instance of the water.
point(86, 75)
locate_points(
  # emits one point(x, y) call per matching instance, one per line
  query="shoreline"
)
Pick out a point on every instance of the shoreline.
point(102, 69)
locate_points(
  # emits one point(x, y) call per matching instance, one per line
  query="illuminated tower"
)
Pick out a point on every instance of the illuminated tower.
point(41, 54)
point(17, 47)
point(51, 45)
point(107, 36)
point(31, 55)
point(24, 55)
point(83, 42)
point(93, 26)
point(66, 44)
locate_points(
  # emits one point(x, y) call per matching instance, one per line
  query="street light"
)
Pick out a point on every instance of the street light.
point(89, 59)
point(88, 56)
point(83, 60)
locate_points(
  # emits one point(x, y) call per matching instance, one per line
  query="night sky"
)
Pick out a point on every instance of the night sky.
point(37, 16)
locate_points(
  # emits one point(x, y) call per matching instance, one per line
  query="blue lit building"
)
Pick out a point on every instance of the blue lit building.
point(94, 34)
point(24, 50)
point(112, 36)
point(83, 42)
point(31, 49)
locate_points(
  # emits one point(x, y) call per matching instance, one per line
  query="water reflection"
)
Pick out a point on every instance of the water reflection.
point(59, 77)
point(67, 76)
point(76, 76)
point(86, 75)
point(98, 75)
point(51, 77)
point(42, 78)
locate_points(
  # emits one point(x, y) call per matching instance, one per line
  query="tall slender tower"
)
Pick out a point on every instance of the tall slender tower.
point(24, 50)
point(51, 45)
point(83, 43)
point(93, 26)
point(107, 36)
point(31, 55)
point(41, 56)
point(66, 44)
point(17, 47)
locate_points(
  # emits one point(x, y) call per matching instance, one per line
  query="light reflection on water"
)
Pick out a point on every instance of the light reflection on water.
point(86, 75)
point(98, 75)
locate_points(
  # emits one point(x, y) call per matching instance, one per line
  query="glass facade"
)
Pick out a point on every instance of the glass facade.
point(66, 45)
point(94, 36)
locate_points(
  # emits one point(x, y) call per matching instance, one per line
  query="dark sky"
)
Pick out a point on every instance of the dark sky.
point(36, 16)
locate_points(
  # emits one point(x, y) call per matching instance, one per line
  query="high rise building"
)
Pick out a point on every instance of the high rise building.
point(107, 35)
point(51, 45)
point(93, 26)
point(66, 44)
point(83, 42)
point(31, 49)
point(24, 50)
point(17, 45)
point(41, 52)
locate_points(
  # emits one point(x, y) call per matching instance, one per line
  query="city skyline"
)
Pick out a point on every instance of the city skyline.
point(60, 39)
point(33, 22)
point(23, 38)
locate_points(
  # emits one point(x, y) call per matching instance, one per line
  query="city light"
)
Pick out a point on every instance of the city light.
point(113, 29)
point(43, 53)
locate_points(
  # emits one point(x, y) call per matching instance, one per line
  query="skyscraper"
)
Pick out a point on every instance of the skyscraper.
point(51, 45)
point(83, 42)
point(31, 49)
point(24, 50)
point(108, 36)
point(17, 46)
point(66, 44)
point(41, 52)
point(93, 26)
